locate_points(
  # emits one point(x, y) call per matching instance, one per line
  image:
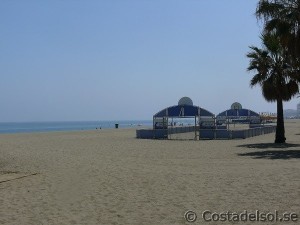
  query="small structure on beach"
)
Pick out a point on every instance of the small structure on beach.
point(236, 114)
point(184, 109)
point(205, 124)
point(163, 125)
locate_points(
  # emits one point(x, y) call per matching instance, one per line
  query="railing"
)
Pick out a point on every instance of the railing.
point(205, 133)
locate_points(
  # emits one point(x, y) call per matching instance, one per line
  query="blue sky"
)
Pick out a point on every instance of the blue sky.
point(124, 59)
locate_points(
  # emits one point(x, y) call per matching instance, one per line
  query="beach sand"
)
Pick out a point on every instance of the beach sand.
point(110, 177)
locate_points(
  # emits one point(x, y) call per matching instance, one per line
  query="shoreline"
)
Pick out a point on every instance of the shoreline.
point(72, 131)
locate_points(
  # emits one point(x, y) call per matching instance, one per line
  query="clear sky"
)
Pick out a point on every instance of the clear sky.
point(124, 59)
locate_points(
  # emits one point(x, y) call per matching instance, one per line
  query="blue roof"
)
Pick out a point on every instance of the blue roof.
point(183, 111)
point(238, 113)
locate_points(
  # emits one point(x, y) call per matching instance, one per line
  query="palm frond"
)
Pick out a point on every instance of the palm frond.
point(269, 91)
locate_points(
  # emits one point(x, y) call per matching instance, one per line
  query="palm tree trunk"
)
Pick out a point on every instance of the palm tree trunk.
point(280, 133)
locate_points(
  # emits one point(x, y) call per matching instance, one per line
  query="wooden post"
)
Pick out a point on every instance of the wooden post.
point(195, 128)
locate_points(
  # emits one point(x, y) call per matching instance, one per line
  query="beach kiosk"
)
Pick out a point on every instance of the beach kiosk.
point(162, 126)
point(249, 122)
point(206, 125)
point(237, 114)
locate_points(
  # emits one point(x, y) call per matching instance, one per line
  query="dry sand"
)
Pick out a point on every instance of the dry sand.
point(110, 177)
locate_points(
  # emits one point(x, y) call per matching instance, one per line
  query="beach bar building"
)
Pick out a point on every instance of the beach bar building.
point(206, 125)
point(163, 125)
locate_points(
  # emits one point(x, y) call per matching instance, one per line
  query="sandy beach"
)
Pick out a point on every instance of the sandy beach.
point(110, 177)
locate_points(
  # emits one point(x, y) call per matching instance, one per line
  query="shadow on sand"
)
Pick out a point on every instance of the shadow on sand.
point(273, 154)
point(277, 152)
point(269, 145)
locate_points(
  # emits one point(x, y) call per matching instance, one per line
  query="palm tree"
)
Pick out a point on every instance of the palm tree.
point(283, 17)
point(277, 79)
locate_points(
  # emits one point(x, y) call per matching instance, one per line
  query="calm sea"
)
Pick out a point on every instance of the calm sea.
point(68, 126)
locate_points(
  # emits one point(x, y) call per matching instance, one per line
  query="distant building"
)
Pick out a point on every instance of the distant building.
point(298, 109)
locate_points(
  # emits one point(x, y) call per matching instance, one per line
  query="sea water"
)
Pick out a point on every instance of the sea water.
point(28, 127)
